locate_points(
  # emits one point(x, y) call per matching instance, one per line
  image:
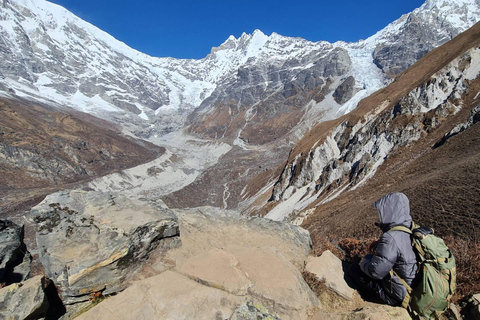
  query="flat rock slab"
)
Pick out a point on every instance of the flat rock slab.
point(252, 257)
point(260, 272)
point(26, 300)
point(220, 269)
point(208, 228)
point(166, 296)
point(329, 267)
point(94, 241)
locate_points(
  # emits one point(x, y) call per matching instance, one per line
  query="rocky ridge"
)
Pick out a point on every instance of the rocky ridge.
point(351, 148)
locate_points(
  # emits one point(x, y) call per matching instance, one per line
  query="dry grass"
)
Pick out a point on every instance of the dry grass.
point(317, 285)
point(467, 258)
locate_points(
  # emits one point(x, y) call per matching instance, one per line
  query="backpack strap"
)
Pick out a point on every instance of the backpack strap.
point(415, 244)
point(406, 300)
point(401, 228)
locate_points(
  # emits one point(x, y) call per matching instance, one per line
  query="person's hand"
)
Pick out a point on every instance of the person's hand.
point(365, 260)
point(373, 247)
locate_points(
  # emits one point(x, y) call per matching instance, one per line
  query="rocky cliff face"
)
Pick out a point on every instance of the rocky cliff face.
point(424, 29)
point(349, 150)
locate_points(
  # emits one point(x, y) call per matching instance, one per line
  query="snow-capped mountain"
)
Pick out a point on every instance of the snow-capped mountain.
point(48, 53)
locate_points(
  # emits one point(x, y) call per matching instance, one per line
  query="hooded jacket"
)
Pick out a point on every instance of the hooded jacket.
point(394, 250)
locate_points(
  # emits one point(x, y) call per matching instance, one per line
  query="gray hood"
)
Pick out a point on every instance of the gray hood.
point(393, 210)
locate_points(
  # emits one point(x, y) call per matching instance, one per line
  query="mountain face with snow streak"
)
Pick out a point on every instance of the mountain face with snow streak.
point(48, 53)
point(258, 93)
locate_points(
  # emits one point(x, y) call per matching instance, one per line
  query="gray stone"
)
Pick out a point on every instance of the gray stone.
point(93, 241)
point(14, 257)
point(247, 257)
point(329, 268)
point(252, 311)
point(473, 119)
point(222, 228)
point(26, 300)
point(231, 266)
point(345, 91)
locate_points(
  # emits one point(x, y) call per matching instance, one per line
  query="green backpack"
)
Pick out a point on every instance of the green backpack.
point(436, 267)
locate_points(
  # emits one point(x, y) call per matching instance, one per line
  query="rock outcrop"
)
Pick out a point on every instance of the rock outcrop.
point(329, 268)
point(474, 118)
point(14, 257)
point(228, 267)
point(92, 242)
point(238, 268)
point(166, 296)
point(26, 300)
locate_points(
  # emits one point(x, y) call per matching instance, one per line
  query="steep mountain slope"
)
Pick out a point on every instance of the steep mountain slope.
point(408, 117)
point(43, 149)
point(257, 93)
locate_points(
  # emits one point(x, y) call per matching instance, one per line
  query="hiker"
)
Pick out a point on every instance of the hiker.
point(393, 251)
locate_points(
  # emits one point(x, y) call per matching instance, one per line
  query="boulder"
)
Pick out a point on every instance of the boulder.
point(94, 241)
point(329, 268)
point(228, 267)
point(220, 269)
point(258, 272)
point(14, 257)
point(26, 300)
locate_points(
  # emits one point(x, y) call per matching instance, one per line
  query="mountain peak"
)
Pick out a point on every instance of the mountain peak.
point(257, 39)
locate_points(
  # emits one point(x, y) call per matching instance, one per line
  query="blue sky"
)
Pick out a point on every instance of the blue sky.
point(188, 29)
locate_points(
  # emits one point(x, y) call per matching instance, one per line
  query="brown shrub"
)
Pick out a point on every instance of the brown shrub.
point(354, 249)
point(324, 243)
point(348, 249)
point(317, 285)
